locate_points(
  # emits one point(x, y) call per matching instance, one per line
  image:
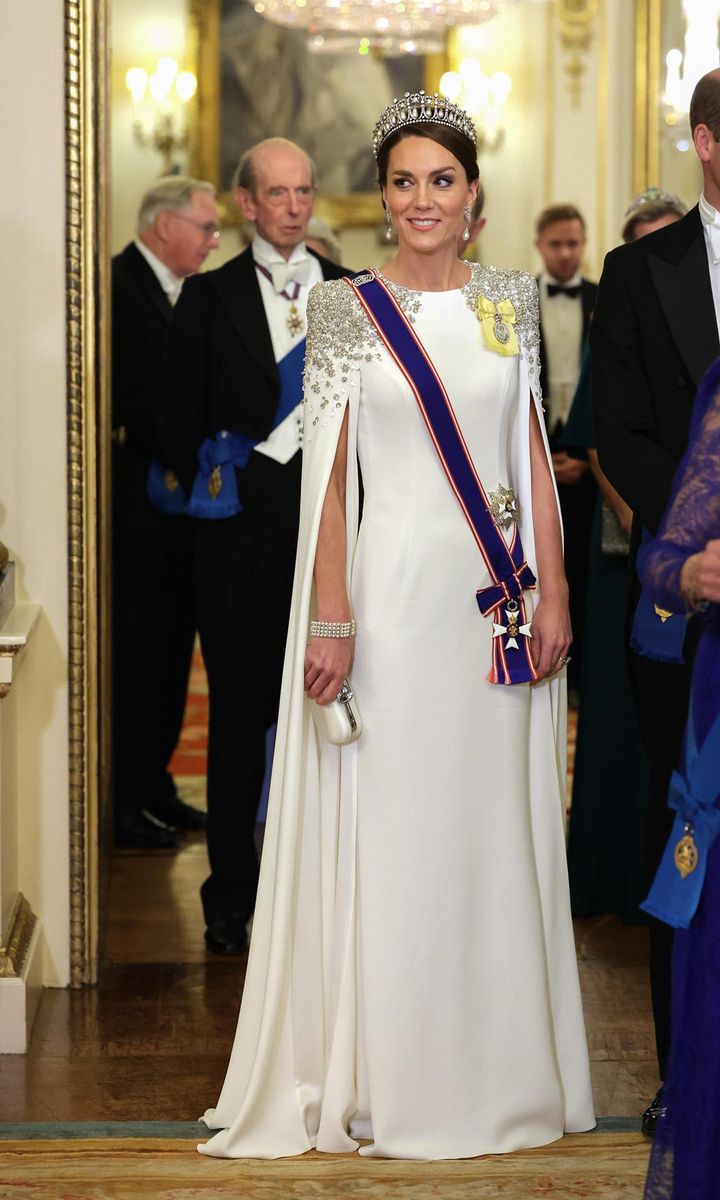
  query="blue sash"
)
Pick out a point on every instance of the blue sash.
point(214, 495)
point(694, 793)
point(511, 575)
point(656, 633)
point(165, 490)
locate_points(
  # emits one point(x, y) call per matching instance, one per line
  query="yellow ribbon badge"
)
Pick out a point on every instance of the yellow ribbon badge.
point(497, 323)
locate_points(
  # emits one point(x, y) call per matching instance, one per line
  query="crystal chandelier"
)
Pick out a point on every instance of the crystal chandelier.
point(684, 70)
point(388, 26)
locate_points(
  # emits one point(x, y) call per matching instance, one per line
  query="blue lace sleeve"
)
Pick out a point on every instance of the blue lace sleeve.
point(693, 515)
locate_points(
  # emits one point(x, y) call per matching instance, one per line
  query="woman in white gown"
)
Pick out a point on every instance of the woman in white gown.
point(412, 981)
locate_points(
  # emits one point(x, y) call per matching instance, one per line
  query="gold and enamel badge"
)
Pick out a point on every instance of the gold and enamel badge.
point(513, 630)
point(504, 508)
point(497, 321)
point(686, 853)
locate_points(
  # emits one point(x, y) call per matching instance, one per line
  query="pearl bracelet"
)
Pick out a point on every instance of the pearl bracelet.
point(332, 629)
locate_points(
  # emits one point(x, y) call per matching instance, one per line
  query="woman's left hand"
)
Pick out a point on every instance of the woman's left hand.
point(551, 635)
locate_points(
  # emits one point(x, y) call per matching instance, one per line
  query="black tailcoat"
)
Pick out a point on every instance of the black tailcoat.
point(220, 373)
point(153, 618)
point(653, 336)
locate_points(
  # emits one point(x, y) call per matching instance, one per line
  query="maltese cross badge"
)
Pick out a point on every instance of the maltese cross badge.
point(512, 630)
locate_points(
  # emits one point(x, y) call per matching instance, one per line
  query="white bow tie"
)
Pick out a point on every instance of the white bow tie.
point(284, 273)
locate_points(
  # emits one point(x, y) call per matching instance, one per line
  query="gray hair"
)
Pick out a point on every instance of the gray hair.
point(170, 194)
point(245, 174)
point(320, 231)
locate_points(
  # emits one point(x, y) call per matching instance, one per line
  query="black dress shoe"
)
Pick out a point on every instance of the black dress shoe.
point(176, 812)
point(142, 831)
point(652, 1114)
point(227, 934)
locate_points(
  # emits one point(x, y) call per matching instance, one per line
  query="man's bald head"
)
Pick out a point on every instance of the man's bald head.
point(261, 155)
point(705, 103)
point(275, 189)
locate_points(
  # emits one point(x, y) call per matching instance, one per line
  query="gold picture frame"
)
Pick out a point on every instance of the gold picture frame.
point(87, 326)
point(353, 210)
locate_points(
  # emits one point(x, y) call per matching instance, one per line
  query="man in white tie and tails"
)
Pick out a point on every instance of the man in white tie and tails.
point(232, 427)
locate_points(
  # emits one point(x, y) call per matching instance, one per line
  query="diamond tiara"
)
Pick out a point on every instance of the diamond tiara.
point(415, 107)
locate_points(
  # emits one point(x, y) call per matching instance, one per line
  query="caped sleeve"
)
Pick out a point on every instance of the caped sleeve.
point(339, 338)
point(693, 516)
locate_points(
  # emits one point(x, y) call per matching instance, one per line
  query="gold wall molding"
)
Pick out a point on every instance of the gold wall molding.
point(87, 298)
point(13, 950)
point(646, 149)
point(576, 22)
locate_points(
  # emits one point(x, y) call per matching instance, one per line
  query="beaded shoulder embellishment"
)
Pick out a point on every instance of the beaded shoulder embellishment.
point(340, 331)
point(520, 288)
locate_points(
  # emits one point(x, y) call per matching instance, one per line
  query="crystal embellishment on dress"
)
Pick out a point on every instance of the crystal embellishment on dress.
point(504, 507)
point(512, 630)
point(416, 107)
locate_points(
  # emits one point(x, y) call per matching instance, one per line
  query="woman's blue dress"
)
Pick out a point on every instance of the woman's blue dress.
point(685, 1162)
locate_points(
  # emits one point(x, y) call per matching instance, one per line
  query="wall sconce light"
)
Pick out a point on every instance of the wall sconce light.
point(158, 107)
point(483, 96)
point(684, 70)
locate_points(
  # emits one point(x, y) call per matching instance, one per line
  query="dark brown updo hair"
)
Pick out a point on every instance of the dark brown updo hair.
point(454, 141)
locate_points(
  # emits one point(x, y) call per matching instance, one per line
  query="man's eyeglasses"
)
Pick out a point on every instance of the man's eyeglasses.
point(208, 228)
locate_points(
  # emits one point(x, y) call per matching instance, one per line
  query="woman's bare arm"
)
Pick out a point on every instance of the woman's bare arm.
point(613, 498)
point(328, 660)
point(551, 631)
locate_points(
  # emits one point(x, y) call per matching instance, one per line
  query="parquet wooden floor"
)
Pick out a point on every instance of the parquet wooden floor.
point(151, 1042)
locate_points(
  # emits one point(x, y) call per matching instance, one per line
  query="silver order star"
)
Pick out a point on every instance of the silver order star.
point(501, 630)
point(504, 507)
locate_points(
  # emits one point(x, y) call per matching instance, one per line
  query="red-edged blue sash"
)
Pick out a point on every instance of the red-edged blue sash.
point(511, 658)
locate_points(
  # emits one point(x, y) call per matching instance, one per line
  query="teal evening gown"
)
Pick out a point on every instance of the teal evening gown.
point(606, 844)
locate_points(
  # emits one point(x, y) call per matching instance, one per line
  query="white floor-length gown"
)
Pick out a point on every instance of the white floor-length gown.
point(412, 977)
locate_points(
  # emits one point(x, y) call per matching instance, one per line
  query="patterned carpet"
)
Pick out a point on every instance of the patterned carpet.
point(597, 1166)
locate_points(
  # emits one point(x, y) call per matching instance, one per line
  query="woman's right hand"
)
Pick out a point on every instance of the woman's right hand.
point(327, 665)
point(700, 576)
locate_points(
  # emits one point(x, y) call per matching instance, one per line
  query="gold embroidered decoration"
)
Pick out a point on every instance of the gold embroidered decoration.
point(215, 483)
point(171, 482)
point(504, 508)
point(686, 853)
point(663, 613)
point(497, 321)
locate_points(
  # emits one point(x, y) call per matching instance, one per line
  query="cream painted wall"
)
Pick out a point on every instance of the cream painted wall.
point(34, 718)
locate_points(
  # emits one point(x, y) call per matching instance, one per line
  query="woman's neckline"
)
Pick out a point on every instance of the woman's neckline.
point(420, 292)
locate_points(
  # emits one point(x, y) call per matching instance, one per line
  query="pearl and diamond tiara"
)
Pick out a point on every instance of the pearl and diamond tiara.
point(414, 107)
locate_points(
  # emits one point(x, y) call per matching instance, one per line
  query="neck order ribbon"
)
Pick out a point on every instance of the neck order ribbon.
point(511, 658)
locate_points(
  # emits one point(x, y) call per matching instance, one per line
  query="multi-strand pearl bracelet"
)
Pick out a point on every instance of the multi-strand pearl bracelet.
point(332, 629)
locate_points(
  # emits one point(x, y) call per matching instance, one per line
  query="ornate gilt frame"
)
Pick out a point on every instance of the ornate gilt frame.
point(352, 211)
point(87, 304)
point(646, 154)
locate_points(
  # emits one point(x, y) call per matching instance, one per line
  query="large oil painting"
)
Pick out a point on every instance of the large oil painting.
point(271, 84)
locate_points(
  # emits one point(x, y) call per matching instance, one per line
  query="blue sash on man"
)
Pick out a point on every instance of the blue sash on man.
point(214, 495)
point(511, 658)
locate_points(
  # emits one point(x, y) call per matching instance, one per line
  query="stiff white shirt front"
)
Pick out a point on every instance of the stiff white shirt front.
point(710, 218)
point(170, 283)
point(561, 318)
point(286, 439)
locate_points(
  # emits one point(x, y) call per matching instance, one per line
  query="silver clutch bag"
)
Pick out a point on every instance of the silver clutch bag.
point(340, 722)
